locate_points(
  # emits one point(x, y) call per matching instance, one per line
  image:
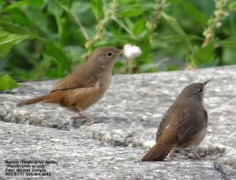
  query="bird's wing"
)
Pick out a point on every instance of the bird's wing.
point(80, 97)
point(77, 79)
point(190, 125)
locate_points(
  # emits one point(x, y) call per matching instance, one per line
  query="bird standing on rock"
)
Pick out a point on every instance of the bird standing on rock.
point(184, 124)
point(85, 85)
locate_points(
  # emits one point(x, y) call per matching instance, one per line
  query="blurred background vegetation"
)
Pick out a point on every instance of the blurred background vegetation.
point(44, 39)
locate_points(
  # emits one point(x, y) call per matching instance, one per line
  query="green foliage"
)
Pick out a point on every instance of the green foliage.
point(171, 21)
point(8, 40)
point(44, 39)
point(7, 82)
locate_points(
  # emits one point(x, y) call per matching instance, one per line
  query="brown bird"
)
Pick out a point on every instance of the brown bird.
point(85, 85)
point(183, 125)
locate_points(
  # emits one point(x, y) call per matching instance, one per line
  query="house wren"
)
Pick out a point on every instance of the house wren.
point(183, 125)
point(85, 85)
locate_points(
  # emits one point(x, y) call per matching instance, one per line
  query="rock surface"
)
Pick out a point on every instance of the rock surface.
point(126, 122)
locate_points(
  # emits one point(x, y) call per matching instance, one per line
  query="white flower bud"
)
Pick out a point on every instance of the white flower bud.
point(131, 51)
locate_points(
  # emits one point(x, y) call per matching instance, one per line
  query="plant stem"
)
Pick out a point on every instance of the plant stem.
point(109, 13)
point(152, 24)
point(77, 20)
point(124, 27)
point(215, 22)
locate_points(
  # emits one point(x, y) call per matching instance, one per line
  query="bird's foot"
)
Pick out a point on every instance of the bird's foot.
point(193, 154)
point(81, 115)
point(172, 153)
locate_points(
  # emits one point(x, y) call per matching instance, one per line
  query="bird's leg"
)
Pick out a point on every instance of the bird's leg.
point(84, 115)
point(87, 116)
point(172, 153)
point(194, 153)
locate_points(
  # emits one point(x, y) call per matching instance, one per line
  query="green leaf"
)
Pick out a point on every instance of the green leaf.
point(12, 28)
point(232, 6)
point(38, 18)
point(145, 45)
point(139, 27)
point(6, 82)
point(17, 17)
point(194, 12)
point(1, 3)
point(21, 3)
point(58, 55)
point(97, 8)
point(131, 12)
point(204, 55)
point(230, 43)
point(171, 21)
point(54, 8)
point(8, 40)
point(16, 5)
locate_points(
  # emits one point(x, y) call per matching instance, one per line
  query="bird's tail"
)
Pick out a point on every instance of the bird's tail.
point(163, 146)
point(44, 98)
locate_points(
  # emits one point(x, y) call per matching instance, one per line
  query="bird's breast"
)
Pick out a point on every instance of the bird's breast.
point(199, 137)
point(104, 81)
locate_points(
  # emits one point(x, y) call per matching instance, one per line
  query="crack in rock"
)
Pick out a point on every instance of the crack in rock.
point(219, 169)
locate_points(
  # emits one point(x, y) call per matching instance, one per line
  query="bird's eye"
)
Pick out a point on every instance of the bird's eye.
point(109, 54)
point(201, 90)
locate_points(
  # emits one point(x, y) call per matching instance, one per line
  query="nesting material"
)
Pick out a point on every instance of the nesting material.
point(131, 51)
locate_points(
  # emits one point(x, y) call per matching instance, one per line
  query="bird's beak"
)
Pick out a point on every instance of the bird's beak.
point(120, 51)
point(206, 82)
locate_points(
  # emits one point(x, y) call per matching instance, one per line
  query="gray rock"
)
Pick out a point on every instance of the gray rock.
point(126, 123)
point(82, 158)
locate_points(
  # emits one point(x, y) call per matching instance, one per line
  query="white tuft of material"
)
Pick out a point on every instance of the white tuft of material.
point(131, 51)
point(149, 143)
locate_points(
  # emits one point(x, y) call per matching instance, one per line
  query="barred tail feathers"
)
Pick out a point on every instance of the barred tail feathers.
point(163, 146)
point(45, 99)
